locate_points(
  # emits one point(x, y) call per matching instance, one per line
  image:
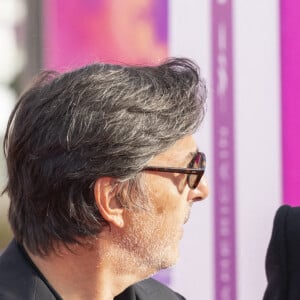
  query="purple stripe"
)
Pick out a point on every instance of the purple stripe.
point(223, 135)
point(160, 15)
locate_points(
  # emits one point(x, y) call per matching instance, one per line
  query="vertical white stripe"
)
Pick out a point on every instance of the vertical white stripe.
point(189, 36)
point(258, 153)
point(257, 97)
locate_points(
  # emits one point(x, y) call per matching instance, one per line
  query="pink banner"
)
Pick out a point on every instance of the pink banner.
point(290, 78)
point(77, 32)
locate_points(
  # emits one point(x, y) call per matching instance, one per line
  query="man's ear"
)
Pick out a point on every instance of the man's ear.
point(110, 209)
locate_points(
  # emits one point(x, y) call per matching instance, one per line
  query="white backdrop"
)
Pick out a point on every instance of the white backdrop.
point(257, 131)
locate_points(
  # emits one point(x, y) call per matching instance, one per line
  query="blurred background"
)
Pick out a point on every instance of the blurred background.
point(249, 54)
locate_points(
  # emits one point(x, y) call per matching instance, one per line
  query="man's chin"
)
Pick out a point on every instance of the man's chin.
point(170, 261)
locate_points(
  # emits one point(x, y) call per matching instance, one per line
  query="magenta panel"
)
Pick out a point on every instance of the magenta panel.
point(290, 78)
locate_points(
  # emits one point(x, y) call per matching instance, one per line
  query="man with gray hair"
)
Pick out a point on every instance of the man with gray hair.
point(102, 173)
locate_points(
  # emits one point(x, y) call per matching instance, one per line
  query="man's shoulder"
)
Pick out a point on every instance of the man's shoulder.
point(283, 255)
point(155, 288)
point(18, 279)
point(149, 289)
point(12, 264)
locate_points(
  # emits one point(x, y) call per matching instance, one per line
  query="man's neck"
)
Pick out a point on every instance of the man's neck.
point(87, 273)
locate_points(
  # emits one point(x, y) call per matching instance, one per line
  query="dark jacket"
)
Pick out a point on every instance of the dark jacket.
point(21, 280)
point(283, 256)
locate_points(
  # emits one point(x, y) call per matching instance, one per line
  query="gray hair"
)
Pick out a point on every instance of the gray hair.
point(100, 120)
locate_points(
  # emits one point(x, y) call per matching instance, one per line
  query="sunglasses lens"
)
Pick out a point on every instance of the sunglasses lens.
point(197, 162)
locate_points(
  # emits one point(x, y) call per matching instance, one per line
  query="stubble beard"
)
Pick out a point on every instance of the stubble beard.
point(143, 247)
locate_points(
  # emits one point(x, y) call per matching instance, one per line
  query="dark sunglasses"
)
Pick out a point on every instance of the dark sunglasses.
point(194, 171)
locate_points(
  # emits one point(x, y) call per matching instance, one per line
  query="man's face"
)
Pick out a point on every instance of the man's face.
point(152, 235)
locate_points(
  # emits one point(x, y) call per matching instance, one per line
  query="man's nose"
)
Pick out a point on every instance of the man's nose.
point(200, 192)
